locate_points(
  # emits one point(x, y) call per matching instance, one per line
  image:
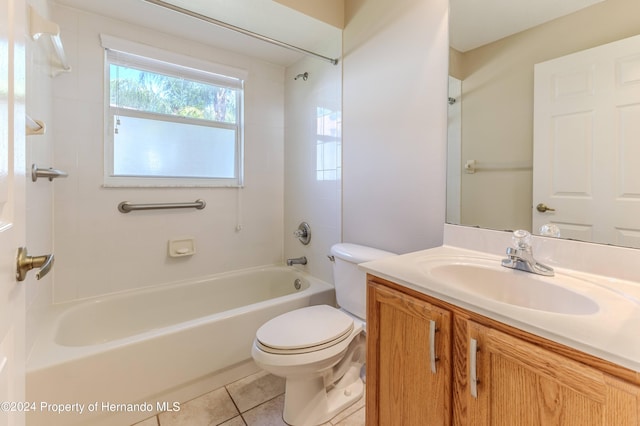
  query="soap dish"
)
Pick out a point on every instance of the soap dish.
point(181, 248)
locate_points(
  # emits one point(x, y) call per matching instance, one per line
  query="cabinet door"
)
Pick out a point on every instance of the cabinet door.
point(408, 360)
point(521, 383)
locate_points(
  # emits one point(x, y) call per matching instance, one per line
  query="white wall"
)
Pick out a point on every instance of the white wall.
point(99, 250)
point(395, 115)
point(309, 197)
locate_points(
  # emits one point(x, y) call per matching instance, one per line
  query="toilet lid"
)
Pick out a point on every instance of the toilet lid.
point(305, 330)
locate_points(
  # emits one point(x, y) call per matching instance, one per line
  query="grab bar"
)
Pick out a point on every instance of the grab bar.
point(127, 206)
point(472, 166)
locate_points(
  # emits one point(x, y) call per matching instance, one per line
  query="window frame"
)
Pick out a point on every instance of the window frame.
point(127, 53)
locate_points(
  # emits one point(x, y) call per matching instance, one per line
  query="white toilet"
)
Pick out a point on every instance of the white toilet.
point(320, 350)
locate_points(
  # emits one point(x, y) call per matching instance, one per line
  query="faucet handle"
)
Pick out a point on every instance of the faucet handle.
point(521, 240)
point(550, 230)
point(303, 233)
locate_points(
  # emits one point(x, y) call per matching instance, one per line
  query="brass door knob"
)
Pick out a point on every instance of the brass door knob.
point(25, 263)
point(543, 208)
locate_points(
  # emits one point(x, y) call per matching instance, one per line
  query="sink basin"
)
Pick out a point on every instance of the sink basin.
point(515, 287)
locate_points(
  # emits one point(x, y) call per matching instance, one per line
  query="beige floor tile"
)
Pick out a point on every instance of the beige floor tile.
point(236, 421)
point(267, 414)
point(261, 399)
point(151, 421)
point(355, 419)
point(255, 389)
point(212, 408)
point(359, 404)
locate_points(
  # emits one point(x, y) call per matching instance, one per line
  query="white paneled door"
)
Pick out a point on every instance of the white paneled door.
point(12, 209)
point(587, 144)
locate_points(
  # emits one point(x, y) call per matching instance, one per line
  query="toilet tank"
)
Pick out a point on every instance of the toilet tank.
point(350, 282)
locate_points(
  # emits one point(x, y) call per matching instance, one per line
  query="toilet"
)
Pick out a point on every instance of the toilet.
point(320, 350)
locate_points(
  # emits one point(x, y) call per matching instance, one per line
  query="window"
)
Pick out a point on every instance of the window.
point(170, 124)
point(328, 146)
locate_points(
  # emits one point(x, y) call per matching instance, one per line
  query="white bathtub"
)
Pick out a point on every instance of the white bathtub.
point(146, 347)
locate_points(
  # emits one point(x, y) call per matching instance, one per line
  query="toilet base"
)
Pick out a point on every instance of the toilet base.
point(308, 403)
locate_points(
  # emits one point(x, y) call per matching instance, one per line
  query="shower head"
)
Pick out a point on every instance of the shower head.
point(304, 76)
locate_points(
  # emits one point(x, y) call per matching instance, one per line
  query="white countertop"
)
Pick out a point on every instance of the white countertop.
point(612, 333)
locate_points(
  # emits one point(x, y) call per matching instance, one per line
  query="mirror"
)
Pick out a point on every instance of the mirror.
point(494, 47)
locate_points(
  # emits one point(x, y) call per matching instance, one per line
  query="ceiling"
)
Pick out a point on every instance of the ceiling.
point(283, 24)
point(474, 23)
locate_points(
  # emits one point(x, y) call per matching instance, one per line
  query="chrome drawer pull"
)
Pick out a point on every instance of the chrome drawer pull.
point(473, 374)
point(432, 345)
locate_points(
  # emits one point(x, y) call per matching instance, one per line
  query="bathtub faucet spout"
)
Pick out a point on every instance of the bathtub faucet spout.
point(297, 261)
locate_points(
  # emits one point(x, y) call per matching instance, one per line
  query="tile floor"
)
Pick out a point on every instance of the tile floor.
point(256, 400)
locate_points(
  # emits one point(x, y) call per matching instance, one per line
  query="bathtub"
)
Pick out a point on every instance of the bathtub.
point(121, 358)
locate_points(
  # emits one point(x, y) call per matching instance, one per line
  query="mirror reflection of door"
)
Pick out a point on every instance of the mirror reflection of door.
point(586, 125)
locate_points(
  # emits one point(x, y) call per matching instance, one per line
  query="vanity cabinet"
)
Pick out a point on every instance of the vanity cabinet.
point(408, 360)
point(520, 380)
point(487, 373)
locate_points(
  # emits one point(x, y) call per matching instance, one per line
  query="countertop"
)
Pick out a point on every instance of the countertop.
point(612, 333)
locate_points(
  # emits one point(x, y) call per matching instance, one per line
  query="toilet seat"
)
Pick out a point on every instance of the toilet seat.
point(309, 329)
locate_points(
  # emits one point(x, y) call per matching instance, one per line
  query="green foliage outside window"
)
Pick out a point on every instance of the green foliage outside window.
point(140, 90)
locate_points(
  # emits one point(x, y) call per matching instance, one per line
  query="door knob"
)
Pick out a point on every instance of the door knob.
point(543, 208)
point(25, 263)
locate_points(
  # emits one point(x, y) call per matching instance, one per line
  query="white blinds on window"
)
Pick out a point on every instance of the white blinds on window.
point(137, 54)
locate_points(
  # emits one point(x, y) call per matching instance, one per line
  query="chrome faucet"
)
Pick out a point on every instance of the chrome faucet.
point(297, 261)
point(520, 256)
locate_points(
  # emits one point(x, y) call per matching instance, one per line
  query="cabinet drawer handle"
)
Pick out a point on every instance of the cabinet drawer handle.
point(473, 374)
point(432, 345)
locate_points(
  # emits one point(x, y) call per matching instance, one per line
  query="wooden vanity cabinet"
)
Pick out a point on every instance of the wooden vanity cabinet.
point(522, 379)
point(524, 384)
point(408, 360)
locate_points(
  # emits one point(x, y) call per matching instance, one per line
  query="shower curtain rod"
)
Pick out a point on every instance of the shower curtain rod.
point(239, 30)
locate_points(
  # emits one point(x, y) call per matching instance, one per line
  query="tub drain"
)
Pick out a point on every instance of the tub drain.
point(297, 283)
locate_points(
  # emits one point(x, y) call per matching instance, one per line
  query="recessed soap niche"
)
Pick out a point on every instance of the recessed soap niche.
point(182, 247)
